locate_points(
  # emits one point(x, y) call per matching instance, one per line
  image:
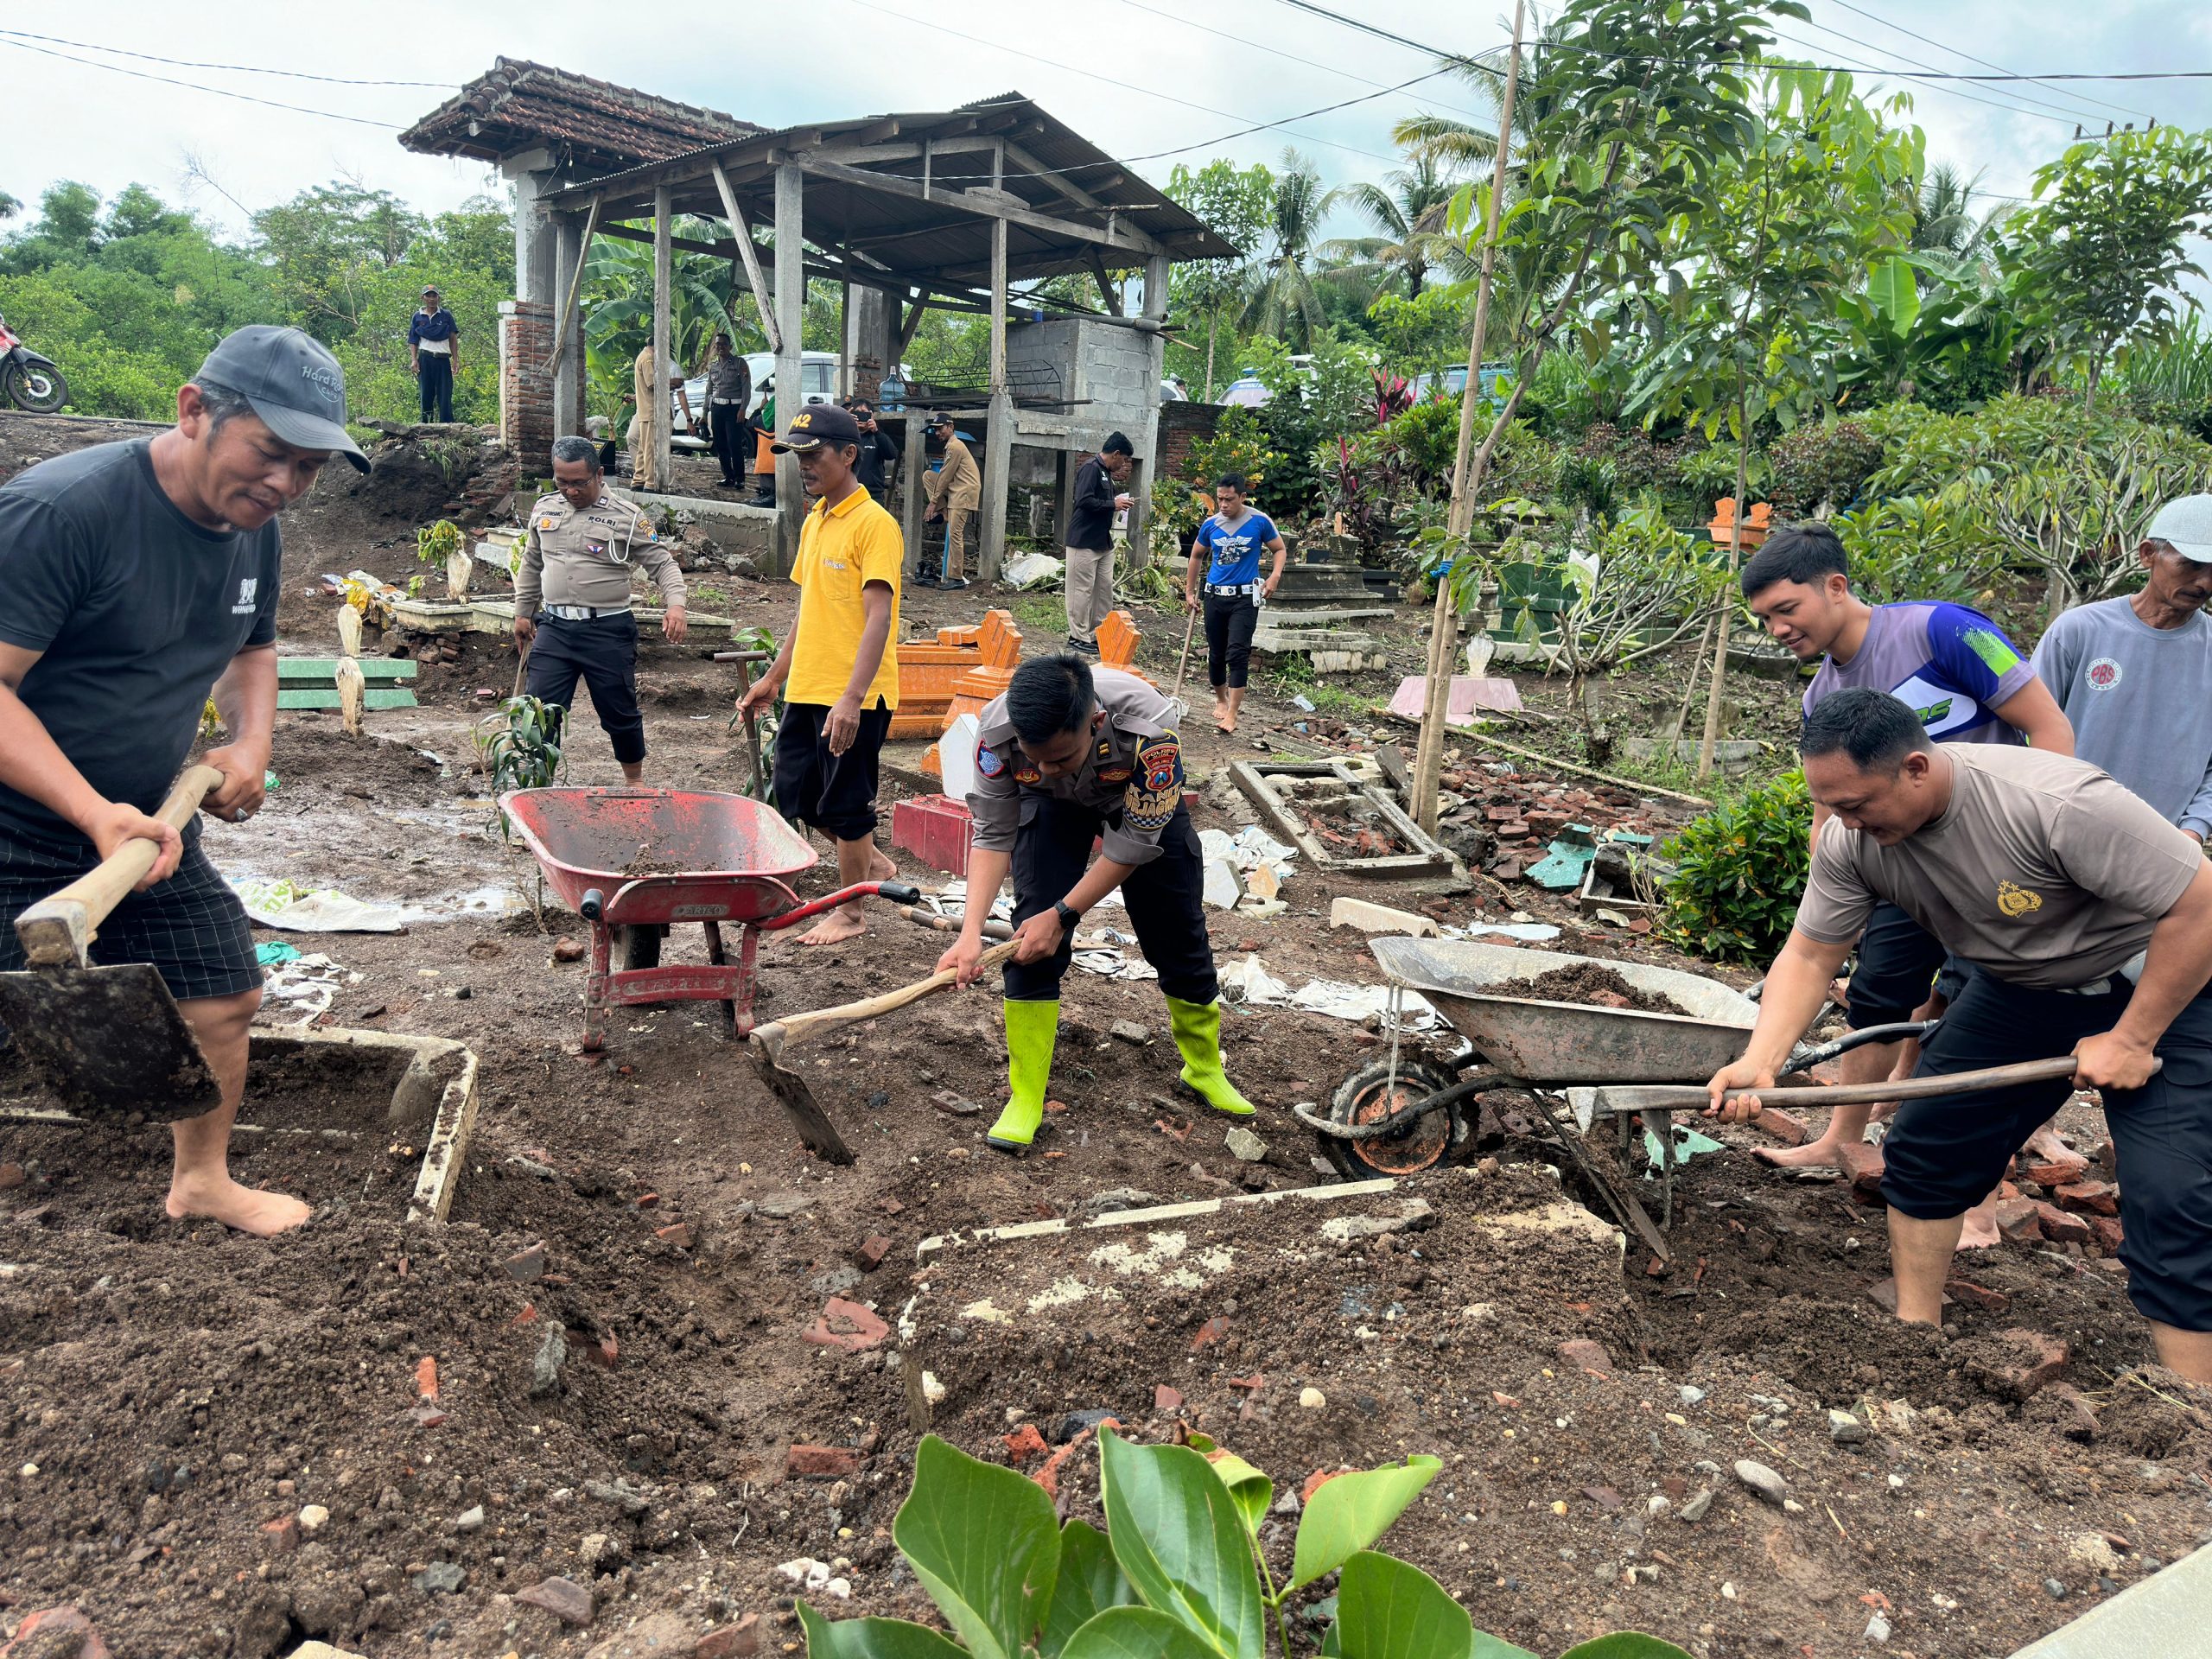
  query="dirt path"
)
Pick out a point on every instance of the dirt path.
point(174, 1395)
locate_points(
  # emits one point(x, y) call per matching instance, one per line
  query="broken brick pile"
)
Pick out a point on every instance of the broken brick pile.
point(1506, 820)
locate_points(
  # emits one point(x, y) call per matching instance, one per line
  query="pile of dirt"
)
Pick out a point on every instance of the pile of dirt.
point(458, 473)
point(1595, 986)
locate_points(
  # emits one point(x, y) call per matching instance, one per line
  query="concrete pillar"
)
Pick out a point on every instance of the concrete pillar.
point(534, 176)
point(663, 278)
point(1146, 438)
point(913, 464)
point(998, 441)
point(568, 378)
point(871, 339)
point(790, 315)
point(1064, 497)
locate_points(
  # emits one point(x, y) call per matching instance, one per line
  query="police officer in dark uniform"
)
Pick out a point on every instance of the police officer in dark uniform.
point(584, 542)
point(1071, 753)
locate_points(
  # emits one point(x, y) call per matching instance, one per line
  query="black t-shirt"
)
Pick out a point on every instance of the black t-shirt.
point(878, 461)
point(1090, 515)
point(138, 610)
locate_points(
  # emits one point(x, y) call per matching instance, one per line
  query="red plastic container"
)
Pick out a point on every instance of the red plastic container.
point(935, 828)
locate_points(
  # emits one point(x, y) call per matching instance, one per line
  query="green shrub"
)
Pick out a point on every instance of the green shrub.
point(1739, 873)
point(1180, 502)
point(1912, 547)
point(1821, 460)
point(1179, 1573)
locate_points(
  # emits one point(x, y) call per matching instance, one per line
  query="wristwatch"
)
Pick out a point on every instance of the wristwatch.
point(1069, 915)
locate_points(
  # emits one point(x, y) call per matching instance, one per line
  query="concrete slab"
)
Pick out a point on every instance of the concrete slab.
point(2163, 1614)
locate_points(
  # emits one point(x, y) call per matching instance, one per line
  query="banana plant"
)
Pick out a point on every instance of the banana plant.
point(1179, 1573)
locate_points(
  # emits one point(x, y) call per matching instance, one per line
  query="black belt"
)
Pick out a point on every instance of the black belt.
point(1233, 589)
point(584, 612)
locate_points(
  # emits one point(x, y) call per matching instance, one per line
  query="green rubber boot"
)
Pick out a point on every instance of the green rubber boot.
point(1198, 1040)
point(1031, 1030)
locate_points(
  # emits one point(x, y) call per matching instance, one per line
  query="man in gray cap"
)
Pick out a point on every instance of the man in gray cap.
point(142, 579)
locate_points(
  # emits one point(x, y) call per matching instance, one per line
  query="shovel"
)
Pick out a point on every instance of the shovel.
point(768, 1042)
point(1667, 1096)
point(108, 1039)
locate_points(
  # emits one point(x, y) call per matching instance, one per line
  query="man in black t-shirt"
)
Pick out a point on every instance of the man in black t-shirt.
point(141, 578)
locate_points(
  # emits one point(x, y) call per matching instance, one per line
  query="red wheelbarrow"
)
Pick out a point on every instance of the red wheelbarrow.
point(634, 861)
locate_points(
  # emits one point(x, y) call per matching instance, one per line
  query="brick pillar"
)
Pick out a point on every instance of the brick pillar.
point(525, 390)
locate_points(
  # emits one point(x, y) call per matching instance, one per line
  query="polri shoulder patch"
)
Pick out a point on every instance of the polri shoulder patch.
point(988, 762)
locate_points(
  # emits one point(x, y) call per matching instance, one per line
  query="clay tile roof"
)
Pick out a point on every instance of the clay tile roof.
point(593, 126)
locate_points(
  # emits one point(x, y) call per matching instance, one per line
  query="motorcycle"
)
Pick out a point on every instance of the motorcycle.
point(30, 381)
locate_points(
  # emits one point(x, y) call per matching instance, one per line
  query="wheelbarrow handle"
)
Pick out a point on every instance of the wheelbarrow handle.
point(899, 892)
point(56, 931)
point(1902, 1030)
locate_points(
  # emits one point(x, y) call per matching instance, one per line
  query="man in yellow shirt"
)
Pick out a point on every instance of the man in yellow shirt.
point(839, 666)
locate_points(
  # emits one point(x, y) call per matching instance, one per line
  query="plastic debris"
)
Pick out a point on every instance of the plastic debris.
point(321, 909)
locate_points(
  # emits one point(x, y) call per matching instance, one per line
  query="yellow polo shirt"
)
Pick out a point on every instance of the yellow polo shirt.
point(841, 549)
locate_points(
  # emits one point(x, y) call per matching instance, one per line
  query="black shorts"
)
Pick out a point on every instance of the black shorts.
point(1165, 898)
point(192, 927)
point(1943, 1156)
point(835, 793)
point(602, 652)
point(1900, 965)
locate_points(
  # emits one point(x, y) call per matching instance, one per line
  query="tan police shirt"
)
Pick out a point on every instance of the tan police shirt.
point(1133, 776)
point(2042, 870)
point(584, 555)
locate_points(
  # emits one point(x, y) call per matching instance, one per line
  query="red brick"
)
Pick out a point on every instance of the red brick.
point(1862, 1164)
point(2031, 1360)
point(48, 1632)
point(1049, 1475)
point(647, 1200)
point(1210, 1333)
point(1166, 1400)
point(2108, 1231)
point(1585, 1354)
point(677, 1234)
point(846, 1326)
point(1785, 1126)
point(822, 1462)
point(1025, 1445)
point(11, 1175)
point(738, 1640)
point(282, 1535)
point(426, 1377)
point(567, 949)
point(564, 1599)
point(2018, 1221)
point(606, 1352)
point(2097, 1198)
point(1981, 1296)
point(1253, 1383)
point(1316, 1481)
point(871, 1252)
point(529, 1313)
point(527, 1265)
point(2059, 1227)
point(2056, 1174)
point(1884, 1295)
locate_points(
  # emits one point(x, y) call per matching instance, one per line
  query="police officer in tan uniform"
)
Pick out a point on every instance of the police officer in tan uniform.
point(1071, 753)
point(584, 542)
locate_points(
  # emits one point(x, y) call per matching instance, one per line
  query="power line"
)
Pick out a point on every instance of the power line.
point(1958, 53)
point(2049, 113)
point(241, 68)
point(191, 86)
point(1126, 86)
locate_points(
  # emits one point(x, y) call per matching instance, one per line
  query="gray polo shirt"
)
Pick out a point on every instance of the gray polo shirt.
point(2140, 701)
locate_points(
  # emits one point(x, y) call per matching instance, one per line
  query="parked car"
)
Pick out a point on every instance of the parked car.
point(1453, 382)
point(817, 378)
point(1248, 392)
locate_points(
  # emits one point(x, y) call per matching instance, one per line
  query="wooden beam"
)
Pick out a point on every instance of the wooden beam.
point(1109, 293)
point(1052, 180)
point(891, 281)
point(664, 278)
point(913, 320)
point(742, 234)
point(576, 286)
point(998, 440)
point(910, 508)
point(790, 394)
point(996, 208)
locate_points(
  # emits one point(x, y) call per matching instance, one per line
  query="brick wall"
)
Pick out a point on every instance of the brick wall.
point(525, 390)
point(1182, 425)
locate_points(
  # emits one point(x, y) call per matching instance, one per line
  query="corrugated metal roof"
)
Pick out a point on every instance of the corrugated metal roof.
point(898, 235)
point(595, 126)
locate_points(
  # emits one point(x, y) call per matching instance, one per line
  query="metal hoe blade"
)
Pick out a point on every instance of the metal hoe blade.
point(109, 1040)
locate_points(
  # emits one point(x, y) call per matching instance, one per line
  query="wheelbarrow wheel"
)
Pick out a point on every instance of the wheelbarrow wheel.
point(640, 946)
point(1370, 1093)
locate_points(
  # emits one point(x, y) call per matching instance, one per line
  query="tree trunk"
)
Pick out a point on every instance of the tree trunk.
point(1719, 686)
point(1213, 321)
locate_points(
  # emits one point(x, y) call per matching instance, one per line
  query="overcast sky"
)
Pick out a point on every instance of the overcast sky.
point(1180, 82)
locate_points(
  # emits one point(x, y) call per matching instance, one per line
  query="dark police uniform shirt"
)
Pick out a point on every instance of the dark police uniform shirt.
point(1132, 777)
point(583, 556)
point(138, 612)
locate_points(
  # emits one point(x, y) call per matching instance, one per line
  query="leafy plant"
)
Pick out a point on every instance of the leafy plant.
point(1911, 547)
point(757, 637)
point(1180, 502)
point(1821, 461)
point(1179, 1573)
point(520, 742)
point(436, 543)
point(1738, 871)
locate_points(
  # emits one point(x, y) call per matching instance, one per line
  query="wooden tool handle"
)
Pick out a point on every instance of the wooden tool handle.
point(58, 929)
point(800, 1028)
point(1661, 1096)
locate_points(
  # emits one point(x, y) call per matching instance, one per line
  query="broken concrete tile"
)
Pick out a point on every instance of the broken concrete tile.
point(1369, 917)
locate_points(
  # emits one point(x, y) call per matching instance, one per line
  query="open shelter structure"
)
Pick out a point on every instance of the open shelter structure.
point(908, 212)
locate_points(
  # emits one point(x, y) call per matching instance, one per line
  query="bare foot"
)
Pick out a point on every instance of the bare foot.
point(843, 923)
point(1980, 1232)
point(248, 1208)
point(1225, 723)
point(1813, 1154)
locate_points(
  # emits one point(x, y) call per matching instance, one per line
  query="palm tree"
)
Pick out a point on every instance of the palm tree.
point(1408, 210)
point(1945, 221)
point(1284, 301)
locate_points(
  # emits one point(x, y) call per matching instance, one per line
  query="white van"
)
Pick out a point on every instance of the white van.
point(817, 382)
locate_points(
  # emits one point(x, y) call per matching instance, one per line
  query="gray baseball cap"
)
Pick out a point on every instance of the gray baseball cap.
point(2185, 524)
point(293, 382)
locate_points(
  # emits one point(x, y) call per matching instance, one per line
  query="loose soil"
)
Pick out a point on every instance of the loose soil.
point(1597, 987)
point(174, 1392)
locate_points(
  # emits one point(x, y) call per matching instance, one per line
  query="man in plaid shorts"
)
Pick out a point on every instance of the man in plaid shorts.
point(142, 579)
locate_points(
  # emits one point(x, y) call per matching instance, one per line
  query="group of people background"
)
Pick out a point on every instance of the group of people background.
point(2016, 842)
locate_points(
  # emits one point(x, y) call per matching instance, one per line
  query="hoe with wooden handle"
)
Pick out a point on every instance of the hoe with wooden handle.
point(768, 1042)
point(1614, 1101)
point(109, 1037)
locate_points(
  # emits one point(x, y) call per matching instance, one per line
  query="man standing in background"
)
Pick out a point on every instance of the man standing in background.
point(434, 353)
point(1090, 547)
point(954, 490)
point(650, 390)
point(878, 463)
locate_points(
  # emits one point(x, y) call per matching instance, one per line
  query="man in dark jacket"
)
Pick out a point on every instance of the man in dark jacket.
point(878, 463)
point(1091, 541)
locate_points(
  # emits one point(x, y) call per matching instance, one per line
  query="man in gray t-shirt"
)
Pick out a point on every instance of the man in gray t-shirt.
point(2134, 675)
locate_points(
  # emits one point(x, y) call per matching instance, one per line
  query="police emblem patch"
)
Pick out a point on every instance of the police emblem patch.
point(1161, 761)
point(1027, 775)
point(1114, 774)
point(988, 762)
